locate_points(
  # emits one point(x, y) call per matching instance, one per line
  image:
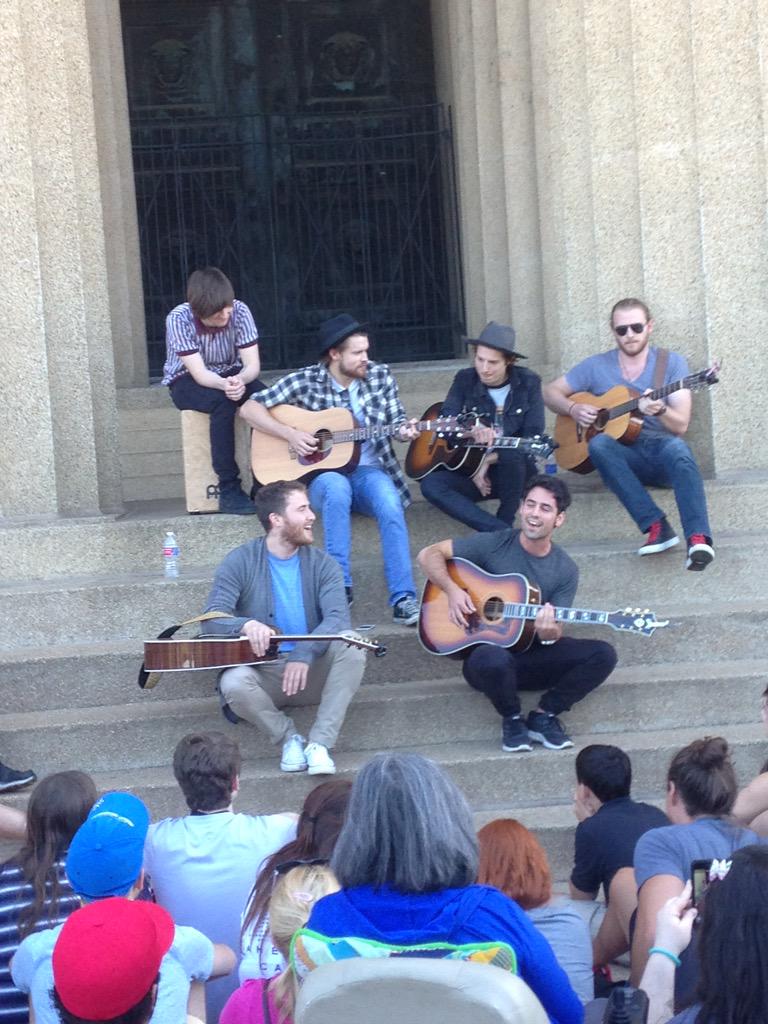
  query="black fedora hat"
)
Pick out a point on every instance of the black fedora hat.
point(497, 336)
point(332, 332)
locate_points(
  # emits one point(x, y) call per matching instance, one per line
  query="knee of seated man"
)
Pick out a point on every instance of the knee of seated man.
point(602, 443)
point(331, 487)
point(677, 451)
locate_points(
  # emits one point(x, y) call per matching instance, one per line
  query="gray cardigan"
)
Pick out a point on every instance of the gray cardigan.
point(242, 587)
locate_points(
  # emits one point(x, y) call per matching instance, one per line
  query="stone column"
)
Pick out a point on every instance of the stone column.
point(59, 417)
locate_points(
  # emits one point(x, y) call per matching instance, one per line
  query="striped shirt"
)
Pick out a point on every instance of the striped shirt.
point(15, 895)
point(312, 388)
point(219, 347)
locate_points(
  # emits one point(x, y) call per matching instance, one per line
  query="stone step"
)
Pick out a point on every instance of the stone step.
point(133, 542)
point(123, 606)
point(144, 727)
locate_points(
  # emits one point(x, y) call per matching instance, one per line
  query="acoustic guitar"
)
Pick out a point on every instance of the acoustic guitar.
point(617, 417)
point(338, 438)
point(208, 652)
point(458, 452)
point(507, 606)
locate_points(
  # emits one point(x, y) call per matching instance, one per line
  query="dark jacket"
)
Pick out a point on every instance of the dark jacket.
point(523, 409)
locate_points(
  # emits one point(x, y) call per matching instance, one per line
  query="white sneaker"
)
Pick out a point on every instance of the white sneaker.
point(318, 760)
point(293, 759)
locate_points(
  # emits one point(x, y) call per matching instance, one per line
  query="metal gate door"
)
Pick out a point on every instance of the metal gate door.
point(309, 215)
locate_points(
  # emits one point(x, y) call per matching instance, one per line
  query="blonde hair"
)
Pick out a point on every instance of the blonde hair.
point(290, 906)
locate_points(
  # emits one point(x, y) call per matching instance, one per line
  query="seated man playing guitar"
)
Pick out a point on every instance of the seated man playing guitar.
point(280, 583)
point(567, 668)
point(508, 398)
point(659, 456)
point(376, 487)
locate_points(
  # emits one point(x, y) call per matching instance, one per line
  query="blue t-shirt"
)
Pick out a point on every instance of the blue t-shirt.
point(368, 456)
point(599, 373)
point(290, 616)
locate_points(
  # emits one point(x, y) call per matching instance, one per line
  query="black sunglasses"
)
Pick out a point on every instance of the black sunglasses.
point(635, 328)
point(289, 865)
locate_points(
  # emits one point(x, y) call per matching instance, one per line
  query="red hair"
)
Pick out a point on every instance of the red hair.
point(513, 860)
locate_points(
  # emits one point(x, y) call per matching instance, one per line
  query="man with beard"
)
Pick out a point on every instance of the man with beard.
point(566, 668)
point(659, 456)
point(345, 377)
point(280, 583)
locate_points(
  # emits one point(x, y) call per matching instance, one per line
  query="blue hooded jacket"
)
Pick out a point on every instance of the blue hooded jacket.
point(476, 913)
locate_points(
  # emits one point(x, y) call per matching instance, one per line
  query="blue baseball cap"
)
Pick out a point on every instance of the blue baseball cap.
point(107, 851)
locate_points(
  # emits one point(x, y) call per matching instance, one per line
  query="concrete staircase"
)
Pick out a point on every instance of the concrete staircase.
point(78, 597)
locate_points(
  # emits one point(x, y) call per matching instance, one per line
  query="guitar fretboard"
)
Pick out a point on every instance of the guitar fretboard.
point(369, 433)
point(692, 381)
point(530, 611)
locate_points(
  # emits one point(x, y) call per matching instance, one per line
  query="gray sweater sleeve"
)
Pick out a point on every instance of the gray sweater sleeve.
point(232, 592)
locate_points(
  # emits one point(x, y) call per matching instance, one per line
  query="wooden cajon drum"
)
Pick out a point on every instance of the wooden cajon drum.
point(201, 485)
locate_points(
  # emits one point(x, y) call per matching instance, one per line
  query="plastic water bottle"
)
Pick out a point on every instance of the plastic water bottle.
point(550, 466)
point(170, 556)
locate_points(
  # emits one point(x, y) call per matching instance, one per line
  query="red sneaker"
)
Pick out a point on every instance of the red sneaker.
point(700, 552)
point(660, 537)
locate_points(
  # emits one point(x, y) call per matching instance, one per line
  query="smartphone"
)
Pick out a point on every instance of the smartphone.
point(699, 879)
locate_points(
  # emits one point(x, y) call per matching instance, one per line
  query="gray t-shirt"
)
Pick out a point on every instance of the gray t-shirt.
point(599, 373)
point(567, 933)
point(669, 850)
point(556, 574)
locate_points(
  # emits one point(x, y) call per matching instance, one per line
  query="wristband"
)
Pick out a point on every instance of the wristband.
point(570, 408)
point(665, 952)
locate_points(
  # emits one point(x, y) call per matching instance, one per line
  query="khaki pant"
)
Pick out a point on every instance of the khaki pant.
point(254, 692)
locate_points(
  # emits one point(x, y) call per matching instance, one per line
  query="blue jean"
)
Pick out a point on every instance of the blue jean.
point(370, 491)
point(660, 460)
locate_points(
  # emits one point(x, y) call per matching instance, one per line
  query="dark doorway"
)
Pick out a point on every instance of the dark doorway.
point(296, 144)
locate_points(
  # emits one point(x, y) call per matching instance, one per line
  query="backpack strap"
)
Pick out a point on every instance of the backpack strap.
point(149, 680)
point(660, 370)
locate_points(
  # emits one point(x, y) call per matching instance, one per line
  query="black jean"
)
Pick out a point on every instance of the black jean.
point(186, 393)
point(456, 495)
point(567, 670)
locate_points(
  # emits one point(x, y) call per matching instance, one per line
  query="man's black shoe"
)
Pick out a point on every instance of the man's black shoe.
point(514, 735)
point(547, 729)
point(236, 503)
point(12, 779)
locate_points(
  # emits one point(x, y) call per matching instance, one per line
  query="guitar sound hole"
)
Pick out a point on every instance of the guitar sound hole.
point(493, 609)
point(324, 440)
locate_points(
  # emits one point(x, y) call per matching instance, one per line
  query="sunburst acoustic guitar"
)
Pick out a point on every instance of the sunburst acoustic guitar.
point(618, 417)
point(507, 606)
point(456, 451)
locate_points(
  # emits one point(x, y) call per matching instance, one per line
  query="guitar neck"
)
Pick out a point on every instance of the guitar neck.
point(583, 615)
point(370, 433)
point(654, 396)
point(501, 442)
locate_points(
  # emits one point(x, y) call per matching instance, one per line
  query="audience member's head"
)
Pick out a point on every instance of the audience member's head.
point(57, 808)
point(733, 979)
point(557, 487)
point(106, 961)
point(295, 893)
point(513, 860)
point(272, 500)
point(408, 826)
point(317, 830)
point(207, 766)
point(701, 780)
point(605, 770)
point(107, 851)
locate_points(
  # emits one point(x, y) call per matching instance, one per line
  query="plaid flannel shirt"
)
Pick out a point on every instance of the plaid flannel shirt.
point(311, 388)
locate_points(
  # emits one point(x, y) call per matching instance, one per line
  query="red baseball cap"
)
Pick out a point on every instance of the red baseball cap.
point(108, 955)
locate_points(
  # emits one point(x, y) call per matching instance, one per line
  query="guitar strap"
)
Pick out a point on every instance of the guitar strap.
point(149, 680)
point(660, 370)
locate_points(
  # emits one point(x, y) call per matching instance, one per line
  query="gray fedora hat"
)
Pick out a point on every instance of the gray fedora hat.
point(332, 332)
point(497, 336)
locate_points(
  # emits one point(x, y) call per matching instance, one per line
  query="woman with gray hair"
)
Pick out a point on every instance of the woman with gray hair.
point(407, 861)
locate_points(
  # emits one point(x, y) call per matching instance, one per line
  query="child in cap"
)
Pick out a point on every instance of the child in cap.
point(106, 961)
point(105, 860)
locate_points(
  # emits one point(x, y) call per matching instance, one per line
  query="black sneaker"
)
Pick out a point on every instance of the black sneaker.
point(547, 729)
point(236, 503)
point(700, 552)
point(660, 537)
point(514, 735)
point(11, 779)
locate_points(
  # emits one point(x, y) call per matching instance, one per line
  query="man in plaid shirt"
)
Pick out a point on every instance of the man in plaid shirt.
point(377, 486)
